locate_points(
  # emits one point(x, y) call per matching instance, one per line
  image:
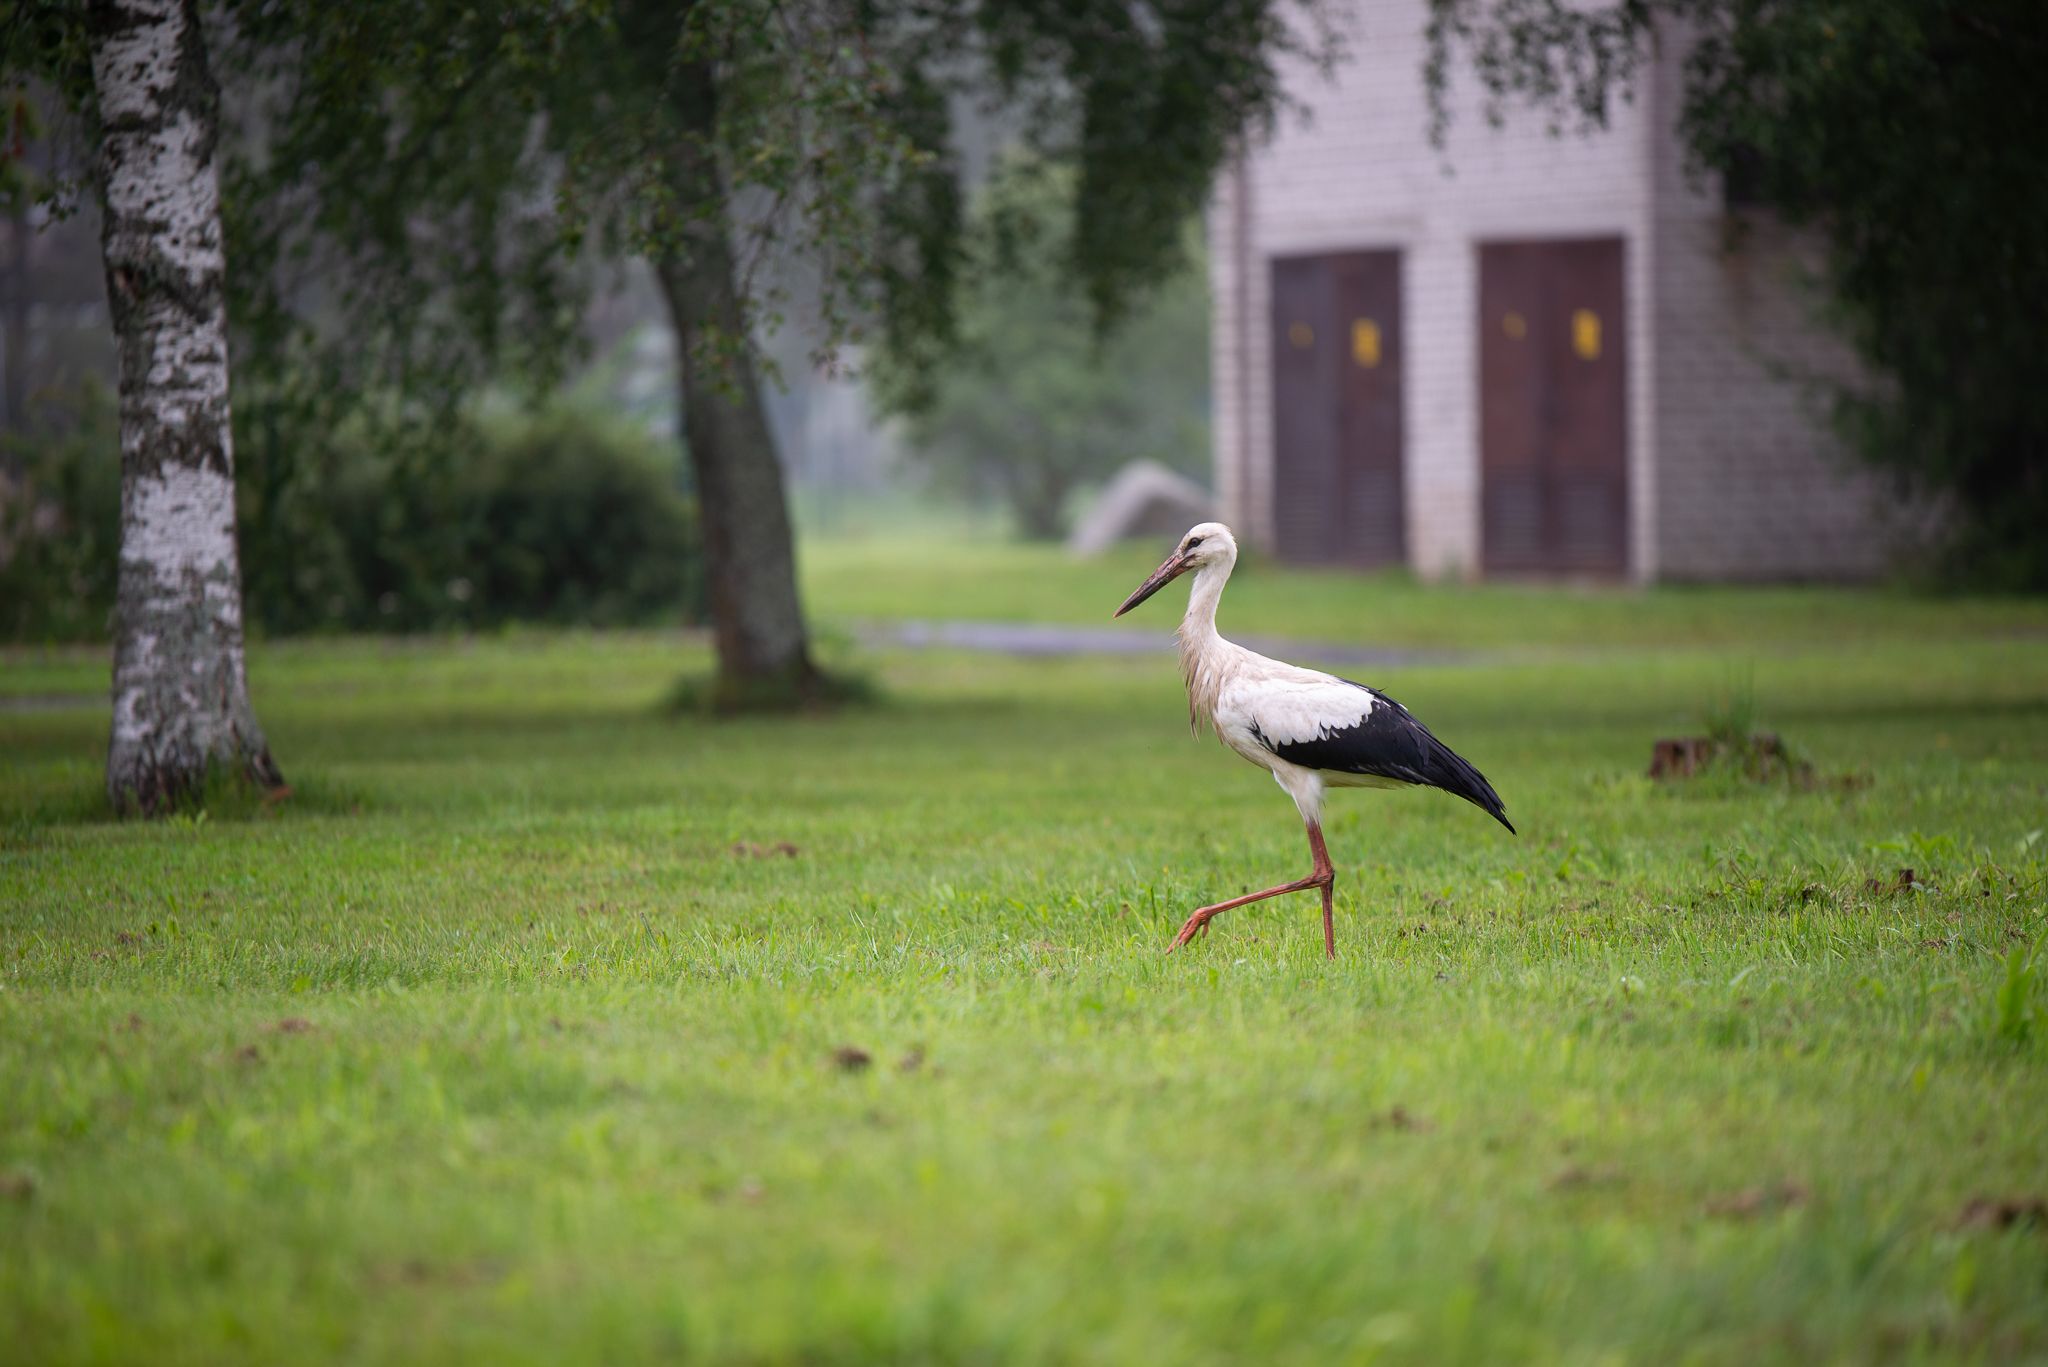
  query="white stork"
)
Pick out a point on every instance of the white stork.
point(1307, 728)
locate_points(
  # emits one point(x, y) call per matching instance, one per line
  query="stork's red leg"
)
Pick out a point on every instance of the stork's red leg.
point(1328, 874)
point(1324, 877)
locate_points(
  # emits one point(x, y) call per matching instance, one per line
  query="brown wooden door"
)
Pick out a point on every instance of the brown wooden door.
point(1337, 409)
point(1553, 394)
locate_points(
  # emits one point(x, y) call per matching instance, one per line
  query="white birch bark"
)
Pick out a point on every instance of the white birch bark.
point(181, 700)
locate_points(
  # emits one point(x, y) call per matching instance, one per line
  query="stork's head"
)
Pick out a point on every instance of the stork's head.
point(1206, 543)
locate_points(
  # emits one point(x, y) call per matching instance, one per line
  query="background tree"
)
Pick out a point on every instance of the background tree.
point(443, 168)
point(1908, 133)
point(137, 73)
point(1037, 401)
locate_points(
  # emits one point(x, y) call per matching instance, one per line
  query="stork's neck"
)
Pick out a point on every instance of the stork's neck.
point(1199, 624)
point(1202, 651)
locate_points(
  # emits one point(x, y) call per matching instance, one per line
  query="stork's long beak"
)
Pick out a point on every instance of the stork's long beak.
point(1176, 565)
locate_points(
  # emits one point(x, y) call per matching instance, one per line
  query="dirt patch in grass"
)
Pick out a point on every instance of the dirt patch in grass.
point(1404, 1120)
point(2004, 1212)
point(1751, 1202)
point(425, 1273)
point(1760, 756)
point(781, 849)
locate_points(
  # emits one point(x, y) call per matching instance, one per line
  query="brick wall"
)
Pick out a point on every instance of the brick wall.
point(1751, 481)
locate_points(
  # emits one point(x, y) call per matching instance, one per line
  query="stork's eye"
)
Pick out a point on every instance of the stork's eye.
point(1194, 541)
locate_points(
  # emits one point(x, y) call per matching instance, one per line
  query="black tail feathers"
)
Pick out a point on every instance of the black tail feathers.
point(1453, 773)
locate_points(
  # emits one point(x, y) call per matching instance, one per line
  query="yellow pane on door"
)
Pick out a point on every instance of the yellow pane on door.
point(1302, 335)
point(1586, 333)
point(1365, 342)
point(1515, 326)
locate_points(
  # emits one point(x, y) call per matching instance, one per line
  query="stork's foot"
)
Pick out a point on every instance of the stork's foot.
point(1197, 925)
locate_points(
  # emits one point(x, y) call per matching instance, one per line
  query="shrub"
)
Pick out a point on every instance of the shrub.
point(558, 516)
point(60, 522)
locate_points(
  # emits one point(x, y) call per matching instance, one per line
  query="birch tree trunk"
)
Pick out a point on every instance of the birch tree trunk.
point(181, 700)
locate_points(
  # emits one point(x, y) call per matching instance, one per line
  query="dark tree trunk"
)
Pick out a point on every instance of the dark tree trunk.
point(1038, 495)
point(14, 340)
point(749, 553)
point(181, 700)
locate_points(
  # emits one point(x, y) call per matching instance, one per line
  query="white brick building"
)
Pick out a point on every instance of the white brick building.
point(1517, 354)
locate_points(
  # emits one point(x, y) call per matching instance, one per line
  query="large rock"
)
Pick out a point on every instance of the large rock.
point(1145, 499)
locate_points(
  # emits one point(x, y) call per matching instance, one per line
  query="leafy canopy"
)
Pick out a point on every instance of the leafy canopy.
point(438, 178)
point(1035, 402)
point(418, 192)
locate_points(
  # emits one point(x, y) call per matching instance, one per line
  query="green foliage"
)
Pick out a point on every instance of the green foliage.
point(554, 517)
point(1906, 132)
point(60, 527)
point(1037, 401)
point(1730, 720)
point(2016, 1006)
point(20, 123)
point(385, 194)
point(557, 516)
point(43, 55)
point(450, 171)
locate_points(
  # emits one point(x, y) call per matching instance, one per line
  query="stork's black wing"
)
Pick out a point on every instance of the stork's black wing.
point(1389, 743)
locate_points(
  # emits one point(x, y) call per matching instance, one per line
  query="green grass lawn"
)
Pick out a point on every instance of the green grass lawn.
point(489, 1042)
point(874, 578)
